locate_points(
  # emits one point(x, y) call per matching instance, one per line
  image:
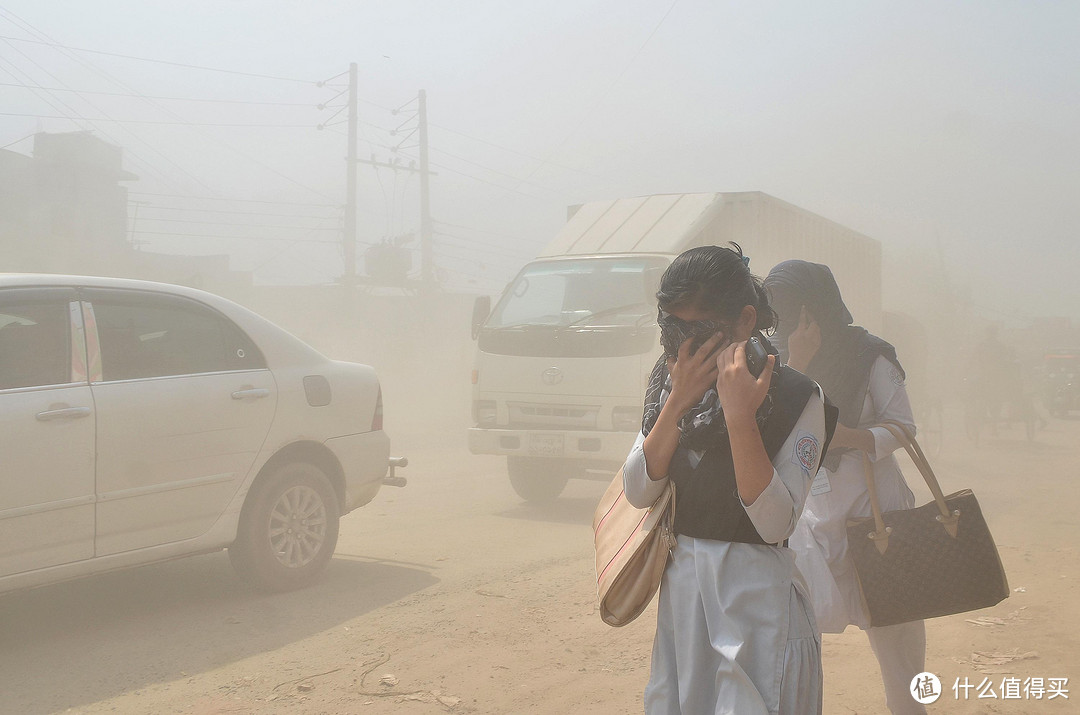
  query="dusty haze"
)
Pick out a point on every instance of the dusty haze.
point(945, 131)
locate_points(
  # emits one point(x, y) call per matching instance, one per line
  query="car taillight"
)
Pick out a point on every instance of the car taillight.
point(475, 376)
point(376, 421)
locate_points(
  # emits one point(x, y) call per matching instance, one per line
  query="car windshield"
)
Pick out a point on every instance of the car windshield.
point(589, 291)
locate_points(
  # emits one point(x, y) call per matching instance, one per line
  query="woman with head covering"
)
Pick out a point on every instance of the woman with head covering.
point(735, 630)
point(862, 376)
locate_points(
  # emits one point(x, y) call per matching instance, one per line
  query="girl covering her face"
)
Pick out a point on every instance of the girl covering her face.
point(735, 629)
point(861, 374)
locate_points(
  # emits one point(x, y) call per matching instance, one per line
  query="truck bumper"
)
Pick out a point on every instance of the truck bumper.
point(587, 446)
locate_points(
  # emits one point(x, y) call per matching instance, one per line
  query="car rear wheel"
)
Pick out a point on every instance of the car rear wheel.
point(538, 479)
point(288, 528)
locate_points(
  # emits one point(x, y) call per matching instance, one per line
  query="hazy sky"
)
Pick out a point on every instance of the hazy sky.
point(916, 123)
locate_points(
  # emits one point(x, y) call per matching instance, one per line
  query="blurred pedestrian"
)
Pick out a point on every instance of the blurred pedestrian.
point(862, 376)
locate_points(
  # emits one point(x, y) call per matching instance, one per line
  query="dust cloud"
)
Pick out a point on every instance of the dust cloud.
point(202, 145)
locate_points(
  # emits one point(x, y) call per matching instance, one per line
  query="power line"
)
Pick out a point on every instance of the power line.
point(49, 41)
point(522, 154)
point(238, 238)
point(485, 181)
point(187, 209)
point(497, 234)
point(161, 123)
point(453, 170)
point(222, 198)
point(156, 61)
point(492, 144)
point(152, 148)
point(18, 140)
point(65, 106)
point(231, 223)
point(495, 171)
point(473, 276)
point(486, 256)
point(44, 99)
point(162, 97)
point(486, 247)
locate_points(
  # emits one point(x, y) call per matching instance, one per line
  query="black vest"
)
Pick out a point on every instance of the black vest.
point(707, 504)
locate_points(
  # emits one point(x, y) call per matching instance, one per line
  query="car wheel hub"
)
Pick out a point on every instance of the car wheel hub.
point(298, 526)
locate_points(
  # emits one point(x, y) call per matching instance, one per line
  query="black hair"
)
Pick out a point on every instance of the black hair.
point(716, 279)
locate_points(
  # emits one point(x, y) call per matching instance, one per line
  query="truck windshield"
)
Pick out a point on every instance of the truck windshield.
point(588, 291)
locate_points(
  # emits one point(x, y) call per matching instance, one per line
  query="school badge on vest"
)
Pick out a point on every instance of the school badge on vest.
point(807, 451)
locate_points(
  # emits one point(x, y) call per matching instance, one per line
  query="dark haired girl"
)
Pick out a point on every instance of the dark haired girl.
point(735, 630)
point(862, 376)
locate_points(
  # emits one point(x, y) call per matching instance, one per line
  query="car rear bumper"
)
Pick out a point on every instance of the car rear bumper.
point(365, 460)
point(583, 445)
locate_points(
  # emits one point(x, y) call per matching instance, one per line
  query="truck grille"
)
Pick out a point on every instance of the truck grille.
point(537, 414)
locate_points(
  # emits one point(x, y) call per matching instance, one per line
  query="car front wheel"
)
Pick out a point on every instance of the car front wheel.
point(288, 529)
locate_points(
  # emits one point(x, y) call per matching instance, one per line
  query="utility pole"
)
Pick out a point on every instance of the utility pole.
point(427, 267)
point(349, 239)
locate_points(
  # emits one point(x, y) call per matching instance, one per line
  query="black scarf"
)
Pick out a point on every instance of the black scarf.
point(703, 425)
point(843, 363)
point(707, 498)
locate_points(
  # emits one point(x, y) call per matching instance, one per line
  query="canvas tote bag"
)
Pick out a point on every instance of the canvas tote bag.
point(632, 547)
point(934, 560)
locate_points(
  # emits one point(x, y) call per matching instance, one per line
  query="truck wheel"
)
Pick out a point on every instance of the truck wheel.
point(537, 479)
point(288, 528)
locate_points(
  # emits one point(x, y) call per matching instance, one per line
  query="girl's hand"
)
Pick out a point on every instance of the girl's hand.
point(804, 342)
point(860, 439)
point(741, 394)
point(692, 375)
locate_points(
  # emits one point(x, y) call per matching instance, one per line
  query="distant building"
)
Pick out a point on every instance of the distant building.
point(64, 209)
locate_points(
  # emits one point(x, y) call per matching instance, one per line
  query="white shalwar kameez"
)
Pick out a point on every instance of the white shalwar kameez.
point(820, 538)
point(735, 628)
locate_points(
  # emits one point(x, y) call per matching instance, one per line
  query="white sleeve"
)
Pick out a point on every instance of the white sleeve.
point(641, 491)
point(776, 509)
point(890, 399)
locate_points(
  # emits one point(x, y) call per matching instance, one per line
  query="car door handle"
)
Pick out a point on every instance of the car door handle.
point(64, 413)
point(251, 393)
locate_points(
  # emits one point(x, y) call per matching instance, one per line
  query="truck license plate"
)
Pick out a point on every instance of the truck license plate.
point(546, 445)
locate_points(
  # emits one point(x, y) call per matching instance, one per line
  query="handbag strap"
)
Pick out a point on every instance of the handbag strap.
point(880, 535)
point(667, 520)
point(948, 519)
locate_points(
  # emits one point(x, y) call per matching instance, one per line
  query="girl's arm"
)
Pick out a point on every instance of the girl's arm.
point(772, 492)
point(777, 509)
point(741, 394)
point(691, 377)
point(889, 395)
point(646, 467)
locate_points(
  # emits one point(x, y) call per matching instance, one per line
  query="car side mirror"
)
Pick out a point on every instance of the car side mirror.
point(480, 312)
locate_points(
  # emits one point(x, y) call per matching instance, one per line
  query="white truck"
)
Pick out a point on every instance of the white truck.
point(564, 357)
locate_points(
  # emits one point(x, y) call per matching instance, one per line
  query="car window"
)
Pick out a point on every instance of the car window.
point(34, 347)
point(158, 336)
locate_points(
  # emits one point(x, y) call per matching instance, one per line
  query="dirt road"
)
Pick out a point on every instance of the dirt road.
point(451, 595)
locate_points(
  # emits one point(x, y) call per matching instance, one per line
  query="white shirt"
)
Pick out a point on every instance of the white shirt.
point(886, 399)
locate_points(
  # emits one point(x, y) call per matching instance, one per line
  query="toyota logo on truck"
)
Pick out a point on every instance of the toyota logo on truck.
point(551, 376)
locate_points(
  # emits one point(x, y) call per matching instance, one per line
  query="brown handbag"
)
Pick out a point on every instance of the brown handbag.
point(935, 560)
point(632, 547)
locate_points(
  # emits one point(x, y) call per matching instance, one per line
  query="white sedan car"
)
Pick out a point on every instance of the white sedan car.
point(141, 422)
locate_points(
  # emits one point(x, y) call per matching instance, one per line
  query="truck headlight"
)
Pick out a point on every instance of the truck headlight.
point(484, 413)
point(626, 419)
